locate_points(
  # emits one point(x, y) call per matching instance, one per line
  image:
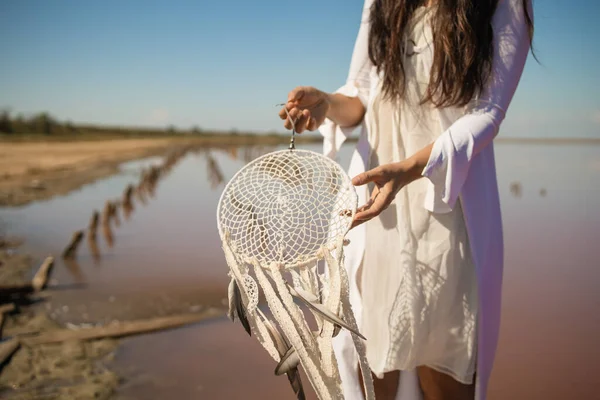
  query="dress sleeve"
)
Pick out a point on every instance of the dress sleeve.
point(453, 151)
point(357, 85)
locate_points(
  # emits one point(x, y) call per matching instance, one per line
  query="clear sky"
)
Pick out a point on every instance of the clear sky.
point(225, 64)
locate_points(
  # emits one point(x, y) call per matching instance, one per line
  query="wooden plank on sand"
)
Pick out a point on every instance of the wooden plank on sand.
point(7, 349)
point(120, 329)
point(6, 308)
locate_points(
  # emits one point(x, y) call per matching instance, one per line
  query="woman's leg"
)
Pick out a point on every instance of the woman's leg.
point(385, 388)
point(438, 386)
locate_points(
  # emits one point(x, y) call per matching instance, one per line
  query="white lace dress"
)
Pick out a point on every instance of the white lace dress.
point(417, 281)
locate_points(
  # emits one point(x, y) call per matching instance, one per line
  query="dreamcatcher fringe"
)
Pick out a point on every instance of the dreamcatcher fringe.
point(314, 350)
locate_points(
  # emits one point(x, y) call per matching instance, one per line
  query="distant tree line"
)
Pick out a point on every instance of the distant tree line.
point(45, 124)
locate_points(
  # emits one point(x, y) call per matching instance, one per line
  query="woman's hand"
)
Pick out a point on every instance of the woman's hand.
point(307, 108)
point(388, 179)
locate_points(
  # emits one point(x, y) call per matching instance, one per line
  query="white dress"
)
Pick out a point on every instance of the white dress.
point(417, 280)
point(460, 173)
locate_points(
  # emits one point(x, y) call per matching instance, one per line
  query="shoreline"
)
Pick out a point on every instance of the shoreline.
point(55, 359)
point(39, 169)
point(79, 364)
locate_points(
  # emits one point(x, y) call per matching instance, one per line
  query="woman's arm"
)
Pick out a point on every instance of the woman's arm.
point(345, 111)
point(452, 153)
point(311, 108)
point(446, 162)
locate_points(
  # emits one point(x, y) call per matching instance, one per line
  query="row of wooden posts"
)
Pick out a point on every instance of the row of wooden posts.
point(145, 188)
point(12, 296)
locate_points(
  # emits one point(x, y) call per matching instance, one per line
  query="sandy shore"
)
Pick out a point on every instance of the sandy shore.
point(70, 368)
point(40, 170)
point(37, 170)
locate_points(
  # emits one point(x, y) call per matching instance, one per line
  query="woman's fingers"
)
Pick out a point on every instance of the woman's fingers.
point(369, 203)
point(380, 203)
point(296, 94)
point(368, 176)
point(296, 117)
point(366, 206)
point(312, 124)
point(302, 121)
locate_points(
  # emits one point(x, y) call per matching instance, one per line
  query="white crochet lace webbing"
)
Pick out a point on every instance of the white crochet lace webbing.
point(282, 221)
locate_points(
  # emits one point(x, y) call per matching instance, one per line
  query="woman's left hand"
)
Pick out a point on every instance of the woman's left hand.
point(388, 179)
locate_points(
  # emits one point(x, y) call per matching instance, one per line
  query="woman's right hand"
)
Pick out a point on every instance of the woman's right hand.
point(307, 108)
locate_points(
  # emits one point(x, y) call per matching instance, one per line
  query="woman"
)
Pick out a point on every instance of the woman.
point(429, 83)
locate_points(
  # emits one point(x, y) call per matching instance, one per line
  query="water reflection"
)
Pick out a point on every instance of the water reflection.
point(107, 234)
point(214, 173)
point(94, 250)
point(74, 269)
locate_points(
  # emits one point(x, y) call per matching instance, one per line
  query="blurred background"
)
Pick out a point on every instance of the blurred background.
point(120, 124)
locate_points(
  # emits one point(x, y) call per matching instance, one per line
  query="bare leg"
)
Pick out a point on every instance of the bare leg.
point(438, 386)
point(386, 388)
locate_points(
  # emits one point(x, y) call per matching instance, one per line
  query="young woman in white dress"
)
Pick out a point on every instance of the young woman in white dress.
point(429, 83)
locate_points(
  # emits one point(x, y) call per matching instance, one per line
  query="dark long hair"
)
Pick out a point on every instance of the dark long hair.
point(462, 40)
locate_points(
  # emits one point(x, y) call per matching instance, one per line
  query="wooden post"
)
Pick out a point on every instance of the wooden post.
point(42, 276)
point(127, 203)
point(114, 213)
point(37, 284)
point(93, 226)
point(107, 212)
point(71, 249)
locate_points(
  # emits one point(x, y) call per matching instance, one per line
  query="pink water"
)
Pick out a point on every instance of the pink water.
point(167, 258)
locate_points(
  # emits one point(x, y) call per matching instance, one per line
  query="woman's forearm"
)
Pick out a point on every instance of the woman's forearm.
point(345, 111)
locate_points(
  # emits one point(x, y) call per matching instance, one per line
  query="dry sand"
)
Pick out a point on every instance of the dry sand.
point(39, 170)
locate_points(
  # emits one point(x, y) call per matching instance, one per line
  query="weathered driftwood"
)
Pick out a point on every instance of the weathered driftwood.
point(71, 249)
point(5, 309)
point(38, 283)
point(42, 276)
point(7, 349)
point(120, 329)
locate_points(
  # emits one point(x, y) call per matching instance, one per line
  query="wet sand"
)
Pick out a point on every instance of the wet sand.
point(67, 370)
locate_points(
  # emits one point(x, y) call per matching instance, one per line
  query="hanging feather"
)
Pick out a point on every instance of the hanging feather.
point(283, 347)
point(231, 297)
point(288, 362)
point(296, 383)
point(310, 300)
point(236, 301)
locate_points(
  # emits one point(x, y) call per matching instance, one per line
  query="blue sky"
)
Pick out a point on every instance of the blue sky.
point(224, 64)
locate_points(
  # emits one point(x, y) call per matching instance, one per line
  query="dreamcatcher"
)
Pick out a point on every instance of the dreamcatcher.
point(282, 221)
